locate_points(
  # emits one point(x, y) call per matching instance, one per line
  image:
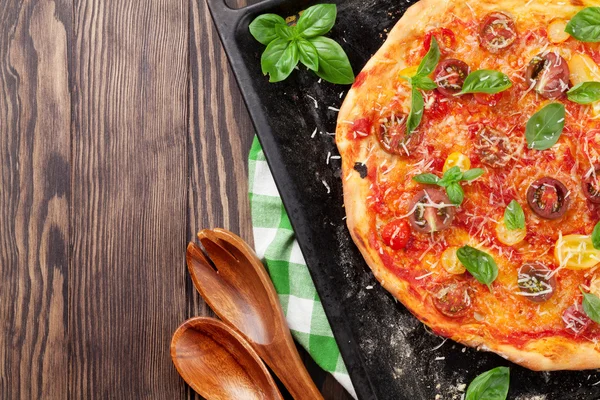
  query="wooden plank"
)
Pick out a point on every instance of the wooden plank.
point(129, 197)
point(220, 135)
point(34, 197)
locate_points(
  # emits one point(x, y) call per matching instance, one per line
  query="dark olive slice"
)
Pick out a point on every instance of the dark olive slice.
point(450, 76)
point(535, 282)
point(498, 32)
point(575, 320)
point(549, 74)
point(392, 136)
point(548, 198)
point(591, 185)
point(452, 299)
point(493, 147)
point(431, 211)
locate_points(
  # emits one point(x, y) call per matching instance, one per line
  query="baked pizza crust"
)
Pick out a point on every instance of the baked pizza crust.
point(546, 354)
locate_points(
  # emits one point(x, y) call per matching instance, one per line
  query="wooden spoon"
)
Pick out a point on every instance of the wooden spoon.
point(241, 293)
point(219, 364)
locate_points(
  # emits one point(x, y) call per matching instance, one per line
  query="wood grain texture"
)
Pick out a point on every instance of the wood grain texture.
point(34, 197)
point(122, 133)
point(129, 194)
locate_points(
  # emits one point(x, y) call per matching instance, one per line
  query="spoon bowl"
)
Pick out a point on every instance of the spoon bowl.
point(218, 363)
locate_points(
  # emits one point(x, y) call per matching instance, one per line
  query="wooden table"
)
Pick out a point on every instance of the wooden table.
point(122, 132)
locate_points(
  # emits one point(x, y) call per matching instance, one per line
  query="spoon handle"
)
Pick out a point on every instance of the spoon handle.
point(285, 361)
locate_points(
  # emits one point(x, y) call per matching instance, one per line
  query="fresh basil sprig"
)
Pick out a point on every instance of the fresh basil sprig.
point(491, 385)
point(485, 81)
point(451, 182)
point(423, 82)
point(545, 127)
point(479, 264)
point(596, 236)
point(288, 45)
point(591, 306)
point(514, 218)
point(585, 93)
point(585, 25)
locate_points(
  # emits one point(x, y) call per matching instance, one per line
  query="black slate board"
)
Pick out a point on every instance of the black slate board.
point(389, 354)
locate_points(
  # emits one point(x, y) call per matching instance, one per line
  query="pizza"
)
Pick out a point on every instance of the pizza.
point(470, 147)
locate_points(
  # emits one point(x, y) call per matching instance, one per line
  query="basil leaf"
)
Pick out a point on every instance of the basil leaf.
point(585, 93)
point(453, 175)
point(431, 59)
point(472, 174)
point(317, 20)
point(416, 111)
point(585, 26)
point(279, 59)
point(428, 179)
point(486, 81)
point(491, 385)
point(334, 65)
point(263, 27)
point(545, 127)
point(514, 218)
point(422, 82)
point(455, 192)
point(479, 264)
point(308, 54)
point(596, 236)
point(285, 32)
point(591, 306)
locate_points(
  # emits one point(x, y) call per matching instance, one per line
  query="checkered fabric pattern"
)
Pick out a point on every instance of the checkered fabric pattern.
point(276, 245)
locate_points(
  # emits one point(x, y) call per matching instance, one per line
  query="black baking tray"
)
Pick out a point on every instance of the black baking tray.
point(388, 352)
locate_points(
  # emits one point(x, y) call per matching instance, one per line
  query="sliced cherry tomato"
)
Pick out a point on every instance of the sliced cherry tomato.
point(450, 76)
point(547, 197)
point(576, 252)
point(361, 128)
point(498, 32)
point(396, 234)
point(549, 73)
point(575, 319)
point(445, 38)
point(536, 282)
point(431, 211)
point(451, 263)
point(591, 185)
point(492, 146)
point(487, 99)
point(457, 159)
point(392, 136)
point(452, 299)
point(509, 237)
point(437, 106)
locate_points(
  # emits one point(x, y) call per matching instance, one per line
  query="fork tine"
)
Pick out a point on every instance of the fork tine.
point(202, 272)
point(221, 258)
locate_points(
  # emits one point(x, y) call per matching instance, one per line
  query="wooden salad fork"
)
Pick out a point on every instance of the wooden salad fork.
point(234, 283)
point(219, 364)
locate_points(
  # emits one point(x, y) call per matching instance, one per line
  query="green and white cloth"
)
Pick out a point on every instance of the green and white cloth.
point(275, 244)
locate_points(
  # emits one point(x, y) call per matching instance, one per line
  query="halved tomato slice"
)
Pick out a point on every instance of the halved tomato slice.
point(576, 252)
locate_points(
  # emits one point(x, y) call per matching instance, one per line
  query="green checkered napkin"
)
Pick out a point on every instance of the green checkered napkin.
point(276, 245)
